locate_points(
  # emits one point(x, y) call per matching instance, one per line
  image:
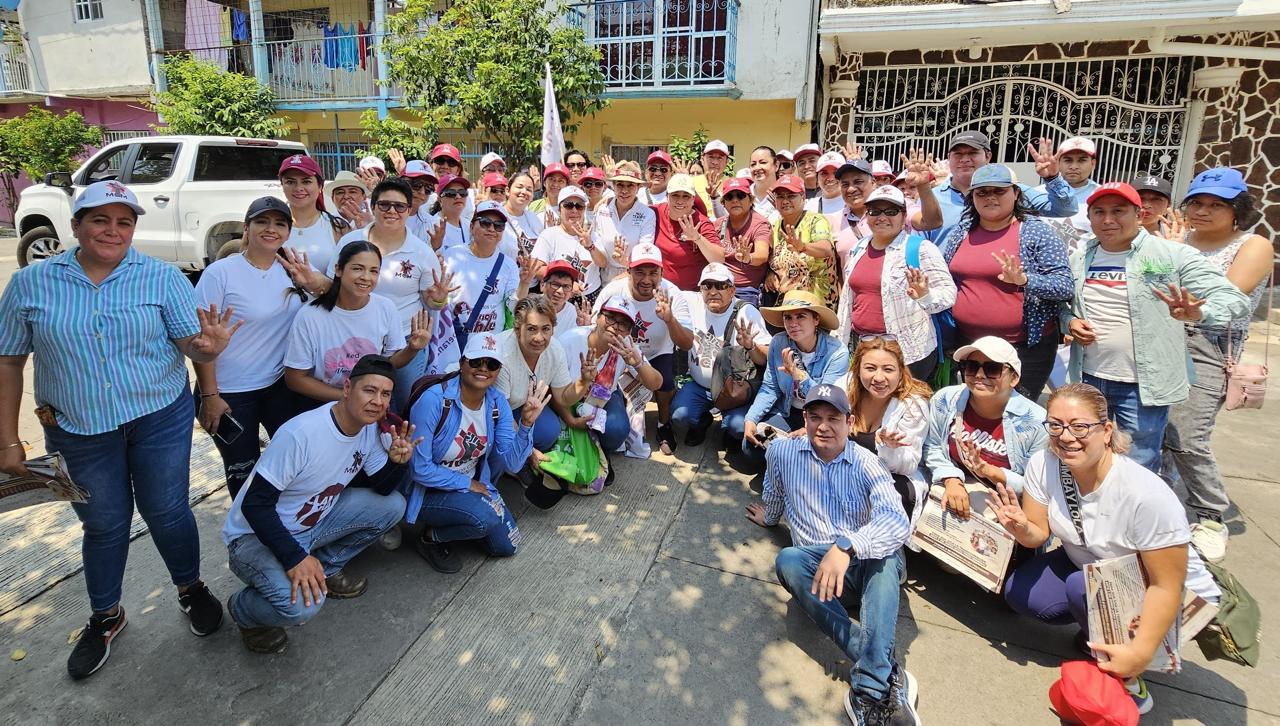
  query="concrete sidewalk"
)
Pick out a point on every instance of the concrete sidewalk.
point(654, 602)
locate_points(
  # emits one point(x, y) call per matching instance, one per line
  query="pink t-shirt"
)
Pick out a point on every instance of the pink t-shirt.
point(985, 305)
point(864, 281)
point(757, 228)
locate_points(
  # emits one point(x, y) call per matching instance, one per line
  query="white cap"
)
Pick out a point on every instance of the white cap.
point(645, 253)
point(372, 162)
point(784, 154)
point(716, 272)
point(716, 145)
point(1078, 143)
point(996, 349)
point(807, 150)
point(744, 174)
point(831, 160)
point(494, 207)
point(880, 167)
point(417, 167)
point(887, 193)
point(621, 305)
point(680, 183)
point(572, 192)
point(491, 157)
point(481, 345)
point(102, 193)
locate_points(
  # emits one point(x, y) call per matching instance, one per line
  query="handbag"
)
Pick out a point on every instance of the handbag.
point(734, 378)
point(1247, 384)
point(1235, 633)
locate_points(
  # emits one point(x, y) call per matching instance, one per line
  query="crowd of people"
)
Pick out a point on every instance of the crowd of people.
point(407, 336)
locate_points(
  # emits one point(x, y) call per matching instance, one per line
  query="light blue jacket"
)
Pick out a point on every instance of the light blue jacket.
point(830, 365)
point(1024, 434)
point(1159, 341)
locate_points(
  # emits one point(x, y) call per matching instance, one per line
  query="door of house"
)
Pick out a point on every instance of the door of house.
point(1133, 108)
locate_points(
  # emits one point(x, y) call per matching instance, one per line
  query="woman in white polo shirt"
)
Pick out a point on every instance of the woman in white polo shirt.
point(573, 240)
point(623, 223)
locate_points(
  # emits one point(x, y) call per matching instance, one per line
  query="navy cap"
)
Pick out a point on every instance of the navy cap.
point(992, 175)
point(262, 205)
point(376, 365)
point(828, 393)
point(1152, 183)
point(860, 165)
point(1220, 182)
point(976, 139)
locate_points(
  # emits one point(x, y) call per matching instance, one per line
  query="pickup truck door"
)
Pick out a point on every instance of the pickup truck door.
point(151, 175)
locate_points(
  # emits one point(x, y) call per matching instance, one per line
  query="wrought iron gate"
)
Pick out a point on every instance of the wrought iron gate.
point(1134, 108)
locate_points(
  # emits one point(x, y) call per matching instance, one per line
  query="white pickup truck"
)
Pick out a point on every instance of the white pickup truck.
point(195, 190)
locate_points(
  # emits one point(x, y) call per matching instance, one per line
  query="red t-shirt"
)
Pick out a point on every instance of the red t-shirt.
point(757, 228)
point(984, 304)
point(864, 281)
point(682, 262)
point(987, 433)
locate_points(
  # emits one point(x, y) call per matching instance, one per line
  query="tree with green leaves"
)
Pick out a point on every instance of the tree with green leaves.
point(204, 100)
point(385, 134)
point(39, 142)
point(481, 67)
point(687, 151)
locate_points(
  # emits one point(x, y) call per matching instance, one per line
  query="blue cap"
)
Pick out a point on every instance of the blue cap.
point(828, 393)
point(1220, 182)
point(992, 175)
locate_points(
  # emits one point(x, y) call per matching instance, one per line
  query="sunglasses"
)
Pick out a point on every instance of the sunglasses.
point(990, 368)
point(493, 225)
point(991, 191)
point(489, 364)
point(592, 185)
point(497, 190)
point(785, 165)
point(577, 164)
point(576, 206)
point(445, 161)
point(715, 285)
point(659, 169)
point(397, 207)
point(419, 185)
point(734, 196)
point(893, 212)
point(878, 336)
point(453, 193)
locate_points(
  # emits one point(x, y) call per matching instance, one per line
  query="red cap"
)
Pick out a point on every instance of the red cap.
point(302, 163)
point(1119, 189)
point(561, 266)
point(790, 183)
point(1086, 695)
point(556, 167)
point(660, 155)
point(736, 184)
point(593, 172)
point(447, 179)
point(448, 150)
point(494, 179)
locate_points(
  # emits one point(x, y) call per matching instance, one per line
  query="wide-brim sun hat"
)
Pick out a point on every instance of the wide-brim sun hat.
point(801, 300)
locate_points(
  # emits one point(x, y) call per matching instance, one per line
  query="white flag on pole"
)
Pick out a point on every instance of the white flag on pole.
point(552, 134)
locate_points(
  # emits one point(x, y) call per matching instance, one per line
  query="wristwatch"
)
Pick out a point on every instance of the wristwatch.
point(845, 545)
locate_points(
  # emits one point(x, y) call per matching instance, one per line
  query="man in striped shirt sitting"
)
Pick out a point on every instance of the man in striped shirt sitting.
point(847, 531)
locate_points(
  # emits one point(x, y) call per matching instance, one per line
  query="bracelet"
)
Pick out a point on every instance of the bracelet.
point(20, 443)
point(209, 395)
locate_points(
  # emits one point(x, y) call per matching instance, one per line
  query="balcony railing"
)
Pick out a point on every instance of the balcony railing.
point(341, 68)
point(661, 43)
point(14, 76)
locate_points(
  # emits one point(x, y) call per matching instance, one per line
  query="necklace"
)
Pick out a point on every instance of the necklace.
point(261, 271)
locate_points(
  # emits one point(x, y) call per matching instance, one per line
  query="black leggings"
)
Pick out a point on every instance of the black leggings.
point(1037, 363)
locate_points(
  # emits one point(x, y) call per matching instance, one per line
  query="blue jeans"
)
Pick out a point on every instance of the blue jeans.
point(546, 428)
point(454, 516)
point(405, 378)
point(359, 517)
point(793, 420)
point(1050, 588)
point(616, 423)
point(146, 461)
point(869, 642)
point(693, 401)
point(1144, 423)
point(268, 407)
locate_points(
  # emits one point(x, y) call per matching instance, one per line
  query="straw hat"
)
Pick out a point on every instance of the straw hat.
point(801, 300)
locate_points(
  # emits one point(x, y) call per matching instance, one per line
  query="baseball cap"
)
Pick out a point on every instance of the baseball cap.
point(992, 175)
point(563, 267)
point(302, 163)
point(736, 184)
point(716, 272)
point(880, 167)
point(1078, 143)
point(373, 365)
point(489, 207)
point(417, 167)
point(107, 192)
point(976, 139)
point(372, 162)
point(448, 150)
point(830, 394)
point(716, 145)
point(660, 155)
point(1220, 182)
point(262, 205)
point(447, 179)
point(996, 349)
point(572, 192)
point(831, 160)
point(627, 171)
point(555, 167)
point(620, 305)
point(645, 253)
point(593, 172)
point(790, 183)
point(481, 345)
point(345, 178)
point(859, 165)
point(681, 183)
point(887, 193)
point(494, 179)
point(806, 150)
point(743, 174)
point(1119, 189)
point(1152, 183)
point(784, 154)
point(1084, 694)
point(491, 158)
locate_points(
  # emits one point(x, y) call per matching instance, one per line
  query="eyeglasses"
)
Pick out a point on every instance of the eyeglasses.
point(659, 169)
point(576, 206)
point(615, 320)
point(453, 193)
point(592, 185)
point(734, 196)
point(892, 212)
point(785, 196)
point(385, 206)
point(1079, 429)
point(715, 285)
point(577, 164)
point(989, 368)
point(497, 190)
point(492, 225)
point(488, 364)
point(558, 285)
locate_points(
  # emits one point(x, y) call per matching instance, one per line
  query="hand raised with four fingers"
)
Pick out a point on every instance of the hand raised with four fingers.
point(588, 367)
point(626, 349)
point(688, 228)
point(620, 250)
point(403, 443)
point(369, 178)
point(663, 308)
point(436, 235)
point(1183, 305)
point(918, 166)
point(539, 397)
point(441, 287)
point(301, 272)
point(214, 333)
point(746, 334)
point(917, 283)
point(1046, 160)
point(583, 312)
point(1007, 509)
point(939, 168)
point(609, 164)
point(528, 269)
point(790, 367)
point(890, 438)
point(793, 238)
point(852, 151)
point(419, 330)
point(1175, 227)
point(742, 248)
point(397, 160)
point(1010, 269)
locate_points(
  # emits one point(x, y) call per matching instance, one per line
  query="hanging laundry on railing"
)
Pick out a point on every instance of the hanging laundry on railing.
point(203, 32)
point(365, 45)
point(239, 26)
point(330, 44)
point(348, 48)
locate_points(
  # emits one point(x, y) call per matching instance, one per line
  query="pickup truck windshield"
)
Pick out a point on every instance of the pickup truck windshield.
point(239, 163)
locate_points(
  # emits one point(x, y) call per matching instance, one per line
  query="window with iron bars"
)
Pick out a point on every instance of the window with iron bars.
point(638, 153)
point(87, 10)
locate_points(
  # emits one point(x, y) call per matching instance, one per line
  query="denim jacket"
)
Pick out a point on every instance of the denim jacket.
point(830, 365)
point(1159, 341)
point(1024, 434)
point(514, 444)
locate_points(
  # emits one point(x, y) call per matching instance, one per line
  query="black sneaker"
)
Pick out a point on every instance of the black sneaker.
point(94, 646)
point(666, 439)
point(202, 609)
point(697, 433)
point(439, 555)
point(528, 475)
point(345, 587)
point(899, 707)
point(267, 641)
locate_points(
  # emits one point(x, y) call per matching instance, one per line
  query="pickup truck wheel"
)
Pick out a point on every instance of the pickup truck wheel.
point(38, 244)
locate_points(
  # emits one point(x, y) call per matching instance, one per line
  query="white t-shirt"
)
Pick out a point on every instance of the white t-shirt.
point(651, 198)
point(566, 319)
point(454, 235)
point(822, 205)
point(574, 343)
point(521, 233)
point(404, 274)
point(265, 302)
point(764, 205)
point(1106, 307)
point(471, 442)
point(310, 461)
point(514, 376)
point(708, 332)
point(317, 241)
point(638, 225)
point(556, 244)
point(469, 275)
point(1132, 511)
point(650, 332)
point(328, 343)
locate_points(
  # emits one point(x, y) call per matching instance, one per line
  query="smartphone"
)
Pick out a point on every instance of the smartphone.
point(229, 429)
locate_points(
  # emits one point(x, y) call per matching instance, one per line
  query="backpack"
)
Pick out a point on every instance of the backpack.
point(944, 324)
point(420, 387)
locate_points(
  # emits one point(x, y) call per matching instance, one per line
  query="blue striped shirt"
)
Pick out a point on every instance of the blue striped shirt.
point(853, 496)
point(104, 354)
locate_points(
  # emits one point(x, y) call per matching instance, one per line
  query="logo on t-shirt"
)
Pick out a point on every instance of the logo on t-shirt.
point(641, 330)
point(406, 269)
point(312, 510)
point(708, 345)
point(357, 461)
point(339, 361)
point(469, 444)
point(1106, 276)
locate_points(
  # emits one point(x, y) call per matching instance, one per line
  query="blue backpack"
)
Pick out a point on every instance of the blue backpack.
point(944, 324)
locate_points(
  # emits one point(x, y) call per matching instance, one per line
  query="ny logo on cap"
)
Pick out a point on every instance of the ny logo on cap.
point(823, 391)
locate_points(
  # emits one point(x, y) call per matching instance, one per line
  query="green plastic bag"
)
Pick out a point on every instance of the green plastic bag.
point(575, 460)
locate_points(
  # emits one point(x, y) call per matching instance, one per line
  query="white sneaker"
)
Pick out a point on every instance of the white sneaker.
point(1210, 539)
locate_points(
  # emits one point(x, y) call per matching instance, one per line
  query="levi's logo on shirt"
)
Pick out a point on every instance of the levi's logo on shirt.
point(1106, 276)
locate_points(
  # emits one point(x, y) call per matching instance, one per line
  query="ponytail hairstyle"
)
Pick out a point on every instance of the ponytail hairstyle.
point(1092, 398)
point(330, 296)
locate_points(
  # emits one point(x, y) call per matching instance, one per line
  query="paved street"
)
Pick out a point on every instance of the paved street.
point(655, 602)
